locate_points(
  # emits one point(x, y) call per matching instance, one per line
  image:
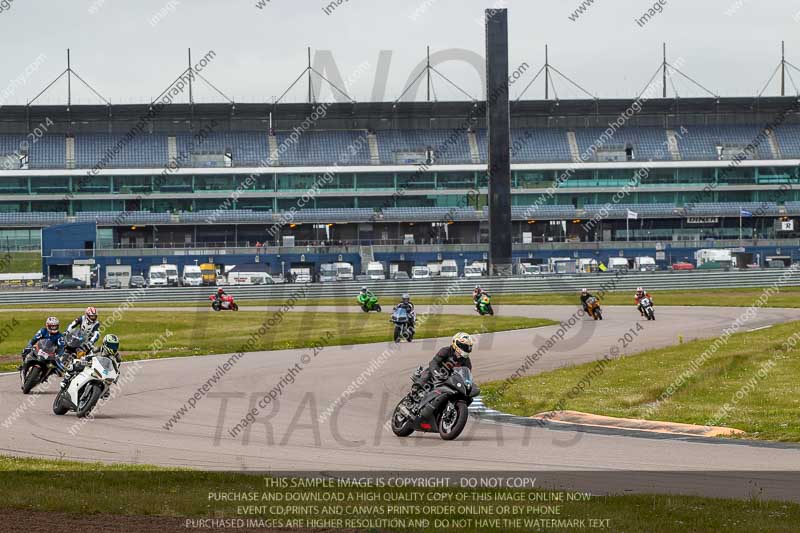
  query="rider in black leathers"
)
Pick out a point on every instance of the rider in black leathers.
point(445, 360)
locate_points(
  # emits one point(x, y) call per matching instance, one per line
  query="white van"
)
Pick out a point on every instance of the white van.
point(420, 272)
point(156, 276)
point(172, 274)
point(192, 277)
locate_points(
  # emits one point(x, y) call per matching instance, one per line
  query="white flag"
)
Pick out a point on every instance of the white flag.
point(632, 215)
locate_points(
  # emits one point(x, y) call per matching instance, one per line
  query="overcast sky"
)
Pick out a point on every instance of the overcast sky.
point(130, 51)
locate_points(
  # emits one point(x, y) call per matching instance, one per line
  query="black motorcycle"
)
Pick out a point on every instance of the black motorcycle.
point(74, 345)
point(403, 325)
point(442, 408)
point(40, 363)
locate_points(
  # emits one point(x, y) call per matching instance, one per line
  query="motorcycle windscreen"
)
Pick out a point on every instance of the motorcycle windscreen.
point(74, 340)
point(106, 364)
point(465, 374)
point(47, 346)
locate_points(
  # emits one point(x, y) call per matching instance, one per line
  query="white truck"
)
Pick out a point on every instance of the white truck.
point(644, 264)
point(249, 278)
point(192, 276)
point(375, 270)
point(118, 275)
point(435, 269)
point(527, 269)
point(724, 258)
point(473, 271)
point(344, 272)
point(449, 269)
point(156, 276)
point(617, 263)
point(587, 264)
point(172, 275)
point(327, 272)
point(561, 265)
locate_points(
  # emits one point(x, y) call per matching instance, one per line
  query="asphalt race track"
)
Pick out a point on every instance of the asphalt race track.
point(289, 435)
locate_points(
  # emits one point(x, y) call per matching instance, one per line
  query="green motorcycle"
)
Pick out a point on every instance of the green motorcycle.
point(484, 305)
point(369, 302)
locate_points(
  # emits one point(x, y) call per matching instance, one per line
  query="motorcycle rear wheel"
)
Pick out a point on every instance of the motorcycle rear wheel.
point(88, 399)
point(404, 428)
point(58, 407)
point(450, 430)
point(32, 379)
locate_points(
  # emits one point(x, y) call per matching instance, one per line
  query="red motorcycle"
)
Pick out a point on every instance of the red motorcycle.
point(224, 304)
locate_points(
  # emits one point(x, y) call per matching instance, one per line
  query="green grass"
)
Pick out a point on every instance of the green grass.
point(137, 490)
point(12, 262)
point(209, 333)
point(630, 386)
point(788, 297)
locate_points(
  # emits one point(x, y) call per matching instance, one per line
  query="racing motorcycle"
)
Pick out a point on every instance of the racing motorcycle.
point(593, 307)
point(369, 303)
point(646, 305)
point(443, 408)
point(40, 363)
point(484, 305)
point(83, 391)
point(74, 345)
point(402, 325)
point(224, 304)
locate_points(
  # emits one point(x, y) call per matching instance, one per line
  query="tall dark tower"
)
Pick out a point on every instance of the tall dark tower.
point(499, 124)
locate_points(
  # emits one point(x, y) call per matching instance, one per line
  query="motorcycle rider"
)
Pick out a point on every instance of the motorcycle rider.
point(476, 295)
point(88, 327)
point(48, 332)
point(585, 295)
point(641, 293)
point(405, 303)
point(108, 348)
point(364, 296)
point(445, 360)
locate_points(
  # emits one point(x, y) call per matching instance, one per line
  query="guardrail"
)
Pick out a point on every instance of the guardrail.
point(433, 287)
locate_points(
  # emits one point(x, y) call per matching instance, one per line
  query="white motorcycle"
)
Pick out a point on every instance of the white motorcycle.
point(647, 307)
point(85, 389)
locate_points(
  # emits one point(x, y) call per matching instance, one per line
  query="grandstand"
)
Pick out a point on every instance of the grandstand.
point(398, 173)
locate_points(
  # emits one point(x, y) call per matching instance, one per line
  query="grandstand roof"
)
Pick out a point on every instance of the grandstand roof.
point(385, 115)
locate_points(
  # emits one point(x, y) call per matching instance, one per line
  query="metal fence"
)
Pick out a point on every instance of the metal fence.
point(387, 288)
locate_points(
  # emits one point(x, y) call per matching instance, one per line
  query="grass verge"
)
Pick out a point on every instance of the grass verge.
point(749, 382)
point(211, 333)
point(137, 490)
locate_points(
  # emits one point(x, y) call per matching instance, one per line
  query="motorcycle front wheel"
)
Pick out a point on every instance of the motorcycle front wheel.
point(453, 420)
point(32, 378)
point(401, 425)
point(398, 333)
point(58, 407)
point(88, 399)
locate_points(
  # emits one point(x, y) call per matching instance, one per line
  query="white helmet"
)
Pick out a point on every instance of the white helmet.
point(584, 291)
point(462, 344)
